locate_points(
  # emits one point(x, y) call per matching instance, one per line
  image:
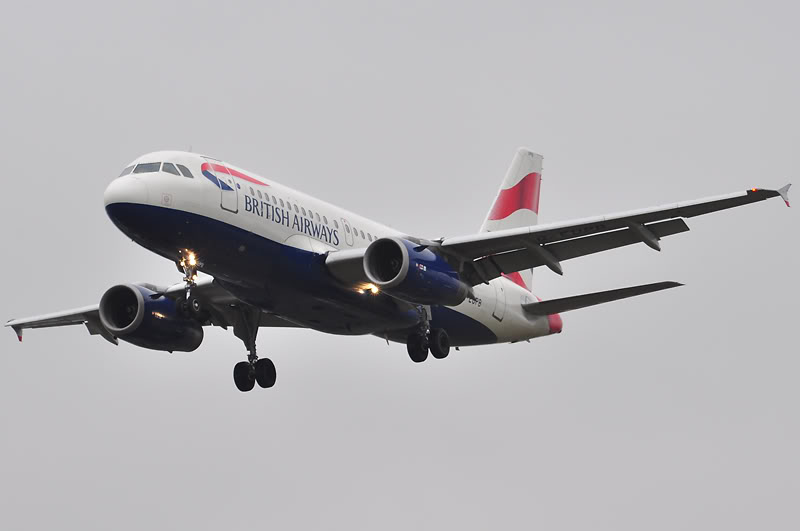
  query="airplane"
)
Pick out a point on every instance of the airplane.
point(272, 256)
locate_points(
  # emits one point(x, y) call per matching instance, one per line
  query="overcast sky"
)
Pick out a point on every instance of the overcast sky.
point(677, 410)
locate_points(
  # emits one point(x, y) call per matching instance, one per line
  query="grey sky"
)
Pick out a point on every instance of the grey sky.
point(675, 410)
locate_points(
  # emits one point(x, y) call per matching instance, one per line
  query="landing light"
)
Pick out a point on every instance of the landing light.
point(189, 259)
point(371, 288)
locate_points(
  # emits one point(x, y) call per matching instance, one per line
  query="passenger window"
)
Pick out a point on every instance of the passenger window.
point(149, 167)
point(170, 168)
point(362, 235)
point(347, 229)
point(126, 171)
point(281, 203)
point(295, 208)
point(317, 216)
point(252, 192)
point(335, 223)
point(325, 219)
point(304, 210)
point(369, 236)
point(259, 194)
point(274, 200)
point(185, 171)
point(310, 214)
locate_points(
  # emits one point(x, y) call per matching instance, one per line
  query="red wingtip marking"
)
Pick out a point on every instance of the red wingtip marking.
point(19, 336)
point(787, 203)
point(524, 194)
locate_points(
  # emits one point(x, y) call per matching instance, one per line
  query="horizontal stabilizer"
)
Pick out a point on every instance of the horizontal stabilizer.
point(591, 299)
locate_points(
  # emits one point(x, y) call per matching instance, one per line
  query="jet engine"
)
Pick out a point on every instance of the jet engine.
point(413, 273)
point(146, 319)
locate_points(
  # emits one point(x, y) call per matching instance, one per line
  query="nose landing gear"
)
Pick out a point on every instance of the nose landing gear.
point(188, 264)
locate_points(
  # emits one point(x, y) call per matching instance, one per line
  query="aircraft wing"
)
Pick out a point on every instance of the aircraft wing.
point(593, 299)
point(86, 315)
point(214, 298)
point(482, 257)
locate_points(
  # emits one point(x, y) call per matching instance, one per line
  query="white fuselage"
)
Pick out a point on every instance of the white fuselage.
point(285, 216)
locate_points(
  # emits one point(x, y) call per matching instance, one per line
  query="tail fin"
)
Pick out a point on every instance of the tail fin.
point(517, 201)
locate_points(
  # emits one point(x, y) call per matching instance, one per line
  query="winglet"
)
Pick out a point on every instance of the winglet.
point(19, 332)
point(784, 193)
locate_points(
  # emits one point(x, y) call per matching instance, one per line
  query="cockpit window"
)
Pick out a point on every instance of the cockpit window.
point(170, 168)
point(185, 171)
point(147, 167)
point(126, 171)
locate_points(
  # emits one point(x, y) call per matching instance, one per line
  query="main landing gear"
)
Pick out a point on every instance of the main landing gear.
point(426, 339)
point(247, 373)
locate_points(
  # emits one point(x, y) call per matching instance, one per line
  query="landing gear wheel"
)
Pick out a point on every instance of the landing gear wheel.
point(417, 346)
point(440, 343)
point(265, 373)
point(244, 376)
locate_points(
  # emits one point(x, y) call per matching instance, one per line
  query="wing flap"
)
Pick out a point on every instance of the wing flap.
point(524, 258)
point(592, 299)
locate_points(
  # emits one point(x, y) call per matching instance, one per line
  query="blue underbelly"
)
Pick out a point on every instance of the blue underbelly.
point(285, 280)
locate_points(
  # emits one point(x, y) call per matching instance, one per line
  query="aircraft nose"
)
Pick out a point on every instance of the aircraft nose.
point(126, 190)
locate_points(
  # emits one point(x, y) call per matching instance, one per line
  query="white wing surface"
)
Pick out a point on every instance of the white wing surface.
point(218, 301)
point(482, 257)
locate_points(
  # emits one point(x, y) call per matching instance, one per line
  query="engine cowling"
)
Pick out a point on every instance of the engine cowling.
point(139, 316)
point(413, 273)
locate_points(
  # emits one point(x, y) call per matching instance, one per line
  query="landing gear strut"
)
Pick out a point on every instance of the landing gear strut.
point(247, 373)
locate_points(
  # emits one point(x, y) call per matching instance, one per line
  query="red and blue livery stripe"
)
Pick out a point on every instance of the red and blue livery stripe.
point(208, 169)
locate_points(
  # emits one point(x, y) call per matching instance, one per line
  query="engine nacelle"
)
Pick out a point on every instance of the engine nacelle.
point(412, 273)
point(132, 314)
